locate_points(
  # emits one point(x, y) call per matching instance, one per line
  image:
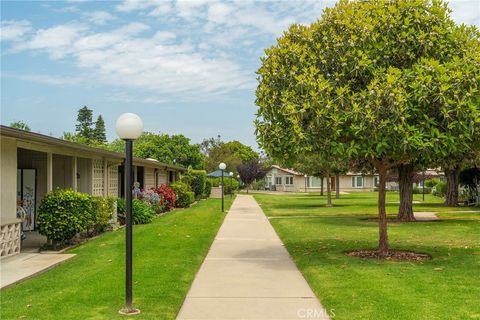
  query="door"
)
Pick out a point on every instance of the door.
point(26, 194)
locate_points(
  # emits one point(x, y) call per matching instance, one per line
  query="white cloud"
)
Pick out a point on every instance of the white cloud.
point(12, 30)
point(99, 17)
point(47, 79)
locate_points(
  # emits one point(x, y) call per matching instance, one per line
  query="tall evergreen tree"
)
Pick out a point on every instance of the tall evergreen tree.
point(84, 123)
point(99, 134)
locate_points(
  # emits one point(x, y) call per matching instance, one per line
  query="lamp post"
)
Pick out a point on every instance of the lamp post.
point(222, 167)
point(231, 184)
point(423, 186)
point(238, 179)
point(306, 177)
point(129, 127)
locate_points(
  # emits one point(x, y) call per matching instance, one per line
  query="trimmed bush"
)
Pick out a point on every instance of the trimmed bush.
point(182, 198)
point(216, 182)
point(208, 189)
point(431, 183)
point(63, 213)
point(198, 181)
point(440, 189)
point(142, 211)
point(103, 211)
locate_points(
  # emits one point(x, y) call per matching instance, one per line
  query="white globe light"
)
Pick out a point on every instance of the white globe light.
point(222, 166)
point(129, 126)
point(231, 174)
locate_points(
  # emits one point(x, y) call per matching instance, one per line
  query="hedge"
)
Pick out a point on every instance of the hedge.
point(142, 212)
point(208, 189)
point(183, 194)
point(197, 180)
point(63, 213)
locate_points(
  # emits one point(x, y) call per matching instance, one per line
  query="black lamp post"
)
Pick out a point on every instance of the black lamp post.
point(222, 167)
point(129, 127)
point(238, 179)
point(231, 184)
point(306, 179)
point(423, 186)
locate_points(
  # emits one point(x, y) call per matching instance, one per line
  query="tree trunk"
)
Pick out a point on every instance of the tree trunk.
point(382, 214)
point(321, 186)
point(451, 196)
point(337, 186)
point(405, 184)
point(329, 191)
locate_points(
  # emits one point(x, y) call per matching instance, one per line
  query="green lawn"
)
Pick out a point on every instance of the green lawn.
point(446, 287)
point(167, 254)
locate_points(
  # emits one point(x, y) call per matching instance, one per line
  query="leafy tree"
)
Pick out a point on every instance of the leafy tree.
point(171, 149)
point(385, 81)
point(20, 125)
point(250, 171)
point(99, 134)
point(84, 123)
point(232, 153)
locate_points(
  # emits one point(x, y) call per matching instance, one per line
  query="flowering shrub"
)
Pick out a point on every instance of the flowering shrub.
point(150, 196)
point(167, 196)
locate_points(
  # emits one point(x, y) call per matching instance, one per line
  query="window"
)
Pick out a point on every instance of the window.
point(288, 180)
point(278, 180)
point(376, 181)
point(315, 182)
point(357, 182)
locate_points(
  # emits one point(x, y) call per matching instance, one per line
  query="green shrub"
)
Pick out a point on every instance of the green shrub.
point(183, 194)
point(258, 185)
point(198, 181)
point(440, 189)
point(431, 183)
point(208, 189)
point(64, 213)
point(142, 211)
point(216, 182)
point(104, 207)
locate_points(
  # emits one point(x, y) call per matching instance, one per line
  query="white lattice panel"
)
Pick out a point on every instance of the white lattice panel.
point(9, 239)
point(97, 177)
point(113, 181)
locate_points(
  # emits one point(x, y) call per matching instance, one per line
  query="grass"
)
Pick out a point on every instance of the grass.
point(446, 287)
point(167, 254)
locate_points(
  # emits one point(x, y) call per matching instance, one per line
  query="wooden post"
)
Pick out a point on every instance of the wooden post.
point(74, 174)
point(49, 172)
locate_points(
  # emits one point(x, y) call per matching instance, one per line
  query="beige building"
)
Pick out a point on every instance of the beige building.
point(281, 179)
point(33, 164)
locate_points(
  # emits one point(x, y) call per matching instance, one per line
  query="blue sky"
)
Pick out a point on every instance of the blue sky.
point(184, 66)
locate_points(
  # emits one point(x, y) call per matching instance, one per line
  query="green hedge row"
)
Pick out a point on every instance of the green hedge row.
point(63, 213)
point(183, 194)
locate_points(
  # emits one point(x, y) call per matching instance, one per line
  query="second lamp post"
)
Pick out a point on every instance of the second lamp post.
point(222, 167)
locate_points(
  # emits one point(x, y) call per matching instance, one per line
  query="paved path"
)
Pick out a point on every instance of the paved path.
point(26, 265)
point(248, 274)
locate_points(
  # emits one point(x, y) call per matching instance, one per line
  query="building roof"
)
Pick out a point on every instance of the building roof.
point(218, 173)
point(290, 171)
point(51, 141)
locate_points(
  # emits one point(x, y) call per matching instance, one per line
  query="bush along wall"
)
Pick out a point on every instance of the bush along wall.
point(64, 213)
point(226, 180)
point(197, 182)
point(184, 197)
point(208, 189)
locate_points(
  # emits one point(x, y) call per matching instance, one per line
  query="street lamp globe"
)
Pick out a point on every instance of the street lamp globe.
point(230, 174)
point(222, 166)
point(129, 126)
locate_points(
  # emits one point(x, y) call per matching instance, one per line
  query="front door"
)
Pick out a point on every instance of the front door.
point(26, 195)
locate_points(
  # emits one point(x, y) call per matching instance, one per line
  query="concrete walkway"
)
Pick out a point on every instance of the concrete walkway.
point(248, 274)
point(26, 265)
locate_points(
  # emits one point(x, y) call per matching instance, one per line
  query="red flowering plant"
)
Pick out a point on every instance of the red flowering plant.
point(167, 196)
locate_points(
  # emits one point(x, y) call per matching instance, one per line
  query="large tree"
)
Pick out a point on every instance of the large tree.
point(250, 171)
point(84, 127)
point(231, 153)
point(172, 149)
point(99, 133)
point(386, 81)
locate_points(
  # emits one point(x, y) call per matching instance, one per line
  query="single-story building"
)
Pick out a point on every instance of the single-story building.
point(33, 164)
point(282, 179)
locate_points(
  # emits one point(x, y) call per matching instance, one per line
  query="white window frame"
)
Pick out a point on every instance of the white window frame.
point(287, 178)
point(376, 181)
point(355, 182)
point(277, 179)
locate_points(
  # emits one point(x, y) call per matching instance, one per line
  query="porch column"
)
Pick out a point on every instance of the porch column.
point(49, 172)
point(74, 173)
point(105, 177)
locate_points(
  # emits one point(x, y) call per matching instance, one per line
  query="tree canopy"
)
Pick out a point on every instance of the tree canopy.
point(232, 153)
point(171, 149)
point(22, 125)
point(386, 81)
